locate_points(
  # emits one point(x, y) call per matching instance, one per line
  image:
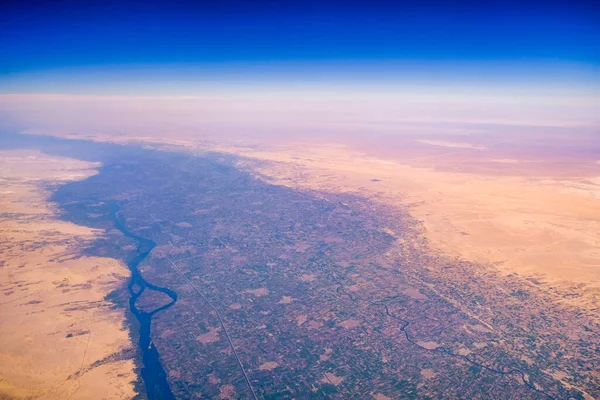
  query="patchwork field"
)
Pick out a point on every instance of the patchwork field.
point(286, 270)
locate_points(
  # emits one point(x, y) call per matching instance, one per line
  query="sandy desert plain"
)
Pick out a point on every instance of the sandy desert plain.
point(60, 338)
point(530, 211)
point(527, 202)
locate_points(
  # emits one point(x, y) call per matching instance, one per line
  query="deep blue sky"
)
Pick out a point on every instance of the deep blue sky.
point(45, 36)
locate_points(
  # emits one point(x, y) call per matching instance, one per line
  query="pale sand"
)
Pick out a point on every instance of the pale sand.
point(456, 145)
point(350, 323)
point(48, 292)
point(209, 337)
point(523, 211)
point(257, 292)
point(536, 227)
point(268, 366)
point(332, 378)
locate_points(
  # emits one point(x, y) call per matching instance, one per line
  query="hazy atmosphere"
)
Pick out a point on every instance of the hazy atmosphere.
point(279, 200)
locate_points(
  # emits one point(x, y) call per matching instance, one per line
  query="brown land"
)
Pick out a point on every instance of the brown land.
point(540, 226)
point(59, 338)
point(528, 203)
point(526, 215)
point(527, 220)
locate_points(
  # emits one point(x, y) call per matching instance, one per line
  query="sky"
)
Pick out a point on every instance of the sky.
point(526, 62)
point(266, 41)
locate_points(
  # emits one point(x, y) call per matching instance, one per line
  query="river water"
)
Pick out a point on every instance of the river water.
point(153, 374)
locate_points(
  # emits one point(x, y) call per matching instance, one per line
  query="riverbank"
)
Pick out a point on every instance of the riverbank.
point(153, 374)
point(59, 337)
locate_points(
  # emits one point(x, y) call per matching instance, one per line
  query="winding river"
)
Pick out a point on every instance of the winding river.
point(153, 374)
